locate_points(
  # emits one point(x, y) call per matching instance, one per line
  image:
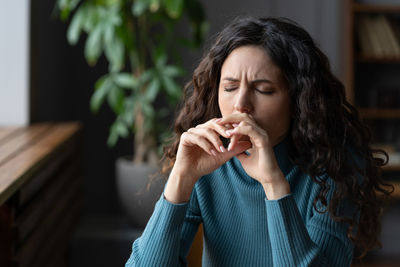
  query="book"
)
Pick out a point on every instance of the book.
point(391, 42)
point(364, 38)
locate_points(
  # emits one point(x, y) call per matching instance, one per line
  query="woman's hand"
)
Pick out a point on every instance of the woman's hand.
point(200, 152)
point(261, 164)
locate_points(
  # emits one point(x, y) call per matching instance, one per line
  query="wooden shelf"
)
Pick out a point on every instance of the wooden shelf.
point(391, 168)
point(376, 59)
point(376, 113)
point(396, 192)
point(375, 8)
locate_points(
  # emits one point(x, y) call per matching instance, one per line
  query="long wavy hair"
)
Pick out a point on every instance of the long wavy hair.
point(326, 133)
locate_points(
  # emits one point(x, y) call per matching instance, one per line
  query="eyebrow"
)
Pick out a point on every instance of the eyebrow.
point(253, 81)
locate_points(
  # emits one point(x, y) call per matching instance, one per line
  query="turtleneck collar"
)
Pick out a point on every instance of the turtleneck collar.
point(281, 151)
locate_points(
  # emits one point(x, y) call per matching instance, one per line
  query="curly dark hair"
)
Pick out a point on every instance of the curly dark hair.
point(327, 135)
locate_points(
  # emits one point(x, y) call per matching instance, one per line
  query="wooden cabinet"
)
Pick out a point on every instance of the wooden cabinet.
point(373, 74)
point(40, 193)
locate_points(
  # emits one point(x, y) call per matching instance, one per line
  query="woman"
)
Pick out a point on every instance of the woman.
point(296, 184)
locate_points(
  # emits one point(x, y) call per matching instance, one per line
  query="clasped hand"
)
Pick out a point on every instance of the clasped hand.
point(201, 150)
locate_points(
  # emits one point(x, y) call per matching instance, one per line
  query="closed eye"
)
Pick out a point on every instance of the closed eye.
point(265, 92)
point(229, 89)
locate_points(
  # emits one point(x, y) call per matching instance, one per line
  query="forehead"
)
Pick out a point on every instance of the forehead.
point(250, 60)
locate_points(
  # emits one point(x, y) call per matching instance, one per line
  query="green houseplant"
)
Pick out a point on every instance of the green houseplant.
point(138, 39)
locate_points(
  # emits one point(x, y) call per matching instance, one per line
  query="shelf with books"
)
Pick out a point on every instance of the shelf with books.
point(373, 69)
point(372, 81)
point(377, 36)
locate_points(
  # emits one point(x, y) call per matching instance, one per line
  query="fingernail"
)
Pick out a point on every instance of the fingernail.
point(213, 152)
point(230, 147)
point(222, 148)
point(218, 120)
point(235, 124)
point(228, 132)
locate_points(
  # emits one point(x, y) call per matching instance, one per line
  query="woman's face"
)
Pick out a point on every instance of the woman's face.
point(251, 83)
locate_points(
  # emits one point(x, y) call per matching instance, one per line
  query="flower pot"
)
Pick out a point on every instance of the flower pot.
point(139, 186)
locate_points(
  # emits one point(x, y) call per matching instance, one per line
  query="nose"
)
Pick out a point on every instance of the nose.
point(243, 101)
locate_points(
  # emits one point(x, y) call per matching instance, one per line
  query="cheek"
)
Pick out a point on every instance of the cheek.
point(276, 116)
point(223, 105)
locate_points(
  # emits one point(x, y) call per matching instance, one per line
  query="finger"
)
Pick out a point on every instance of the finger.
point(239, 149)
point(233, 142)
point(190, 138)
point(211, 135)
point(235, 118)
point(220, 129)
point(257, 137)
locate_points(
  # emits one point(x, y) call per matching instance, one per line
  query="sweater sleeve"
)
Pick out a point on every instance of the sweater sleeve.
point(168, 235)
point(318, 242)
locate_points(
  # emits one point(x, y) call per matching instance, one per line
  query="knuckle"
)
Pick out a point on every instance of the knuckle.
point(208, 131)
point(184, 135)
point(244, 124)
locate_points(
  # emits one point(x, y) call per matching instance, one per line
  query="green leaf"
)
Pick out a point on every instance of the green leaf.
point(126, 80)
point(62, 4)
point(174, 8)
point(148, 111)
point(66, 6)
point(173, 71)
point(116, 99)
point(93, 45)
point(109, 33)
point(102, 87)
point(139, 7)
point(161, 60)
point(160, 56)
point(114, 51)
point(113, 135)
point(147, 76)
point(73, 3)
point(174, 90)
point(154, 5)
point(90, 17)
point(74, 29)
point(128, 113)
point(152, 90)
point(121, 128)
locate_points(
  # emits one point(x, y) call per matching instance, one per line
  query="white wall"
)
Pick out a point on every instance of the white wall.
point(14, 62)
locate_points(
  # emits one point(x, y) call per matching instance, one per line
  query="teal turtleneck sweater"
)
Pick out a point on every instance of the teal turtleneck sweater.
point(241, 227)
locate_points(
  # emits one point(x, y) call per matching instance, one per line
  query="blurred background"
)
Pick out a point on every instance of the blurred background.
point(46, 79)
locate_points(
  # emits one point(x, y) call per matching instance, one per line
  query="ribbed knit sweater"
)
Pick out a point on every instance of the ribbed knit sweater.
point(243, 228)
